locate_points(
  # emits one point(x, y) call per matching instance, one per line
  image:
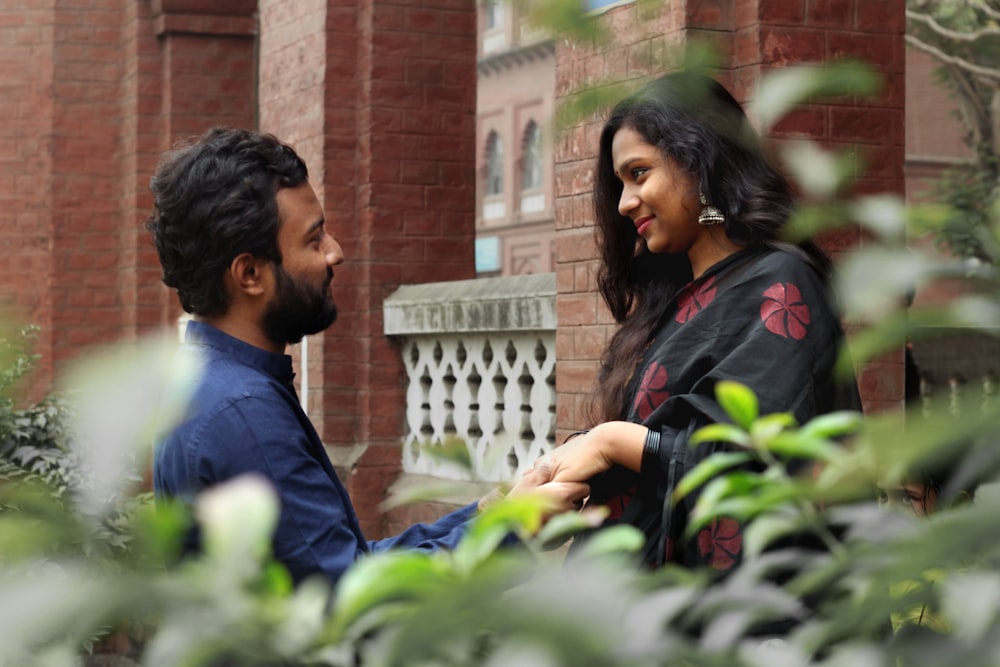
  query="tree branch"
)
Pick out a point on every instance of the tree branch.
point(951, 34)
point(992, 76)
point(985, 8)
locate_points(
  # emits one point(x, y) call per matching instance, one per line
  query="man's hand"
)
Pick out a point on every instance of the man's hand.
point(561, 496)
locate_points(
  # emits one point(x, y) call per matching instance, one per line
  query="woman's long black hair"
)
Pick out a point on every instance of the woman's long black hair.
point(692, 119)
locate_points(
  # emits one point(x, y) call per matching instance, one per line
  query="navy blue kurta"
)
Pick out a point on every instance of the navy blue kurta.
point(245, 417)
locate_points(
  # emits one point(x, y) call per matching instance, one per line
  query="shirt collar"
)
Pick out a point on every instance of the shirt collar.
point(278, 366)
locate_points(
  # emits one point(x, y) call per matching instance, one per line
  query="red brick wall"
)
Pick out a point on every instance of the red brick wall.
point(86, 308)
point(753, 37)
point(415, 219)
point(26, 105)
point(95, 90)
point(385, 91)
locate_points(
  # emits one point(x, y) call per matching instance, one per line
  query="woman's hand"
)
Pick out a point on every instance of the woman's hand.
point(593, 452)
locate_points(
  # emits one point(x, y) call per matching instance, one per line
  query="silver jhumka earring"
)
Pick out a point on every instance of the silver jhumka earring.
point(709, 214)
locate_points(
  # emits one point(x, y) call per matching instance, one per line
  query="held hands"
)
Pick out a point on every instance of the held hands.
point(593, 452)
point(562, 476)
point(561, 496)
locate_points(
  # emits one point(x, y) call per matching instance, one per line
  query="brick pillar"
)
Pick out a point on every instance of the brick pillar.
point(189, 65)
point(146, 303)
point(753, 37)
point(26, 105)
point(93, 92)
point(383, 94)
point(84, 147)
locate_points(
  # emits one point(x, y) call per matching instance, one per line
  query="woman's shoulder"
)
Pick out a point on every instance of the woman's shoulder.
point(785, 262)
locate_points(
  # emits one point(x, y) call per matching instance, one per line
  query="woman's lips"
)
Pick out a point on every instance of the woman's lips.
point(642, 223)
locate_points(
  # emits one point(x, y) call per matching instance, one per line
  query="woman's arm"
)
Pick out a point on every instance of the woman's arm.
point(611, 443)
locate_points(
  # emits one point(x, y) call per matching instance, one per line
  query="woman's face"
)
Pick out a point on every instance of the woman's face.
point(662, 201)
point(659, 197)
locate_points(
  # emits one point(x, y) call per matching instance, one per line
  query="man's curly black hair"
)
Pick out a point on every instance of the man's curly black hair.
point(214, 199)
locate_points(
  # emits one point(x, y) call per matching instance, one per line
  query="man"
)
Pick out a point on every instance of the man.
point(242, 238)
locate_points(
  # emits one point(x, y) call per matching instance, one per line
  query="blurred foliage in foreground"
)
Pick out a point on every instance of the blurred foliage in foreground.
point(824, 570)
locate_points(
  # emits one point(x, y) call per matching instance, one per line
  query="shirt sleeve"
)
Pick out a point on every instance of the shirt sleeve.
point(318, 530)
point(445, 533)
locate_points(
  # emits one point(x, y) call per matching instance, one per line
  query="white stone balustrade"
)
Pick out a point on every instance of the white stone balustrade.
point(480, 360)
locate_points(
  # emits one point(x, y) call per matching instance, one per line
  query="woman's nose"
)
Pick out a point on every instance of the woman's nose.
point(627, 202)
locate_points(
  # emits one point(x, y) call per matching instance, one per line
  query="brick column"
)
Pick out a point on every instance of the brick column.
point(83, 284)
point(26, 79)
point(754, 37)
point(189, 65)
point(383, 100)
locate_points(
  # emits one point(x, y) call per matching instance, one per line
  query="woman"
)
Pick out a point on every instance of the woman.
point(688, 220)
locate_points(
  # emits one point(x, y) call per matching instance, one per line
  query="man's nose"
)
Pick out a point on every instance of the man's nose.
point(334, 253)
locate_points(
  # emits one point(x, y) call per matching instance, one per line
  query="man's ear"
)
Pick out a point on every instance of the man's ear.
point(247, 273)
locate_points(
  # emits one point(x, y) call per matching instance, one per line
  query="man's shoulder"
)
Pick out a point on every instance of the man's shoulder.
point(222, 375)
point(229, 395)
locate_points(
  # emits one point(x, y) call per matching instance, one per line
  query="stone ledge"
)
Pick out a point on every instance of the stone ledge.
point(510, 303)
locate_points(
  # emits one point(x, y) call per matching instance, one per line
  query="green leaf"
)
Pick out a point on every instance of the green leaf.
point(768, 426)
point(884, 215)
point(521, 515)
point(561, 527)
point(386, 577)
point(708, 469)
point(969, 600)
point(452, 451)
point(613, 540)
point(423, 492)
point(238, 519)
point(729, 495)
point(721, 433)
point(833, 425)
point(738, 401)
point(766, 529)
point(820, 173)
point(783, 89)
point(797, 445)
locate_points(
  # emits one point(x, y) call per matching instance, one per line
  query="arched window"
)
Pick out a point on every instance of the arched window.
point(494, 165)
point(494, 14)
point(531, 165)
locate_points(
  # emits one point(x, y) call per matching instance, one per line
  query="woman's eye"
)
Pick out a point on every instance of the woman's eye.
point(638, 172)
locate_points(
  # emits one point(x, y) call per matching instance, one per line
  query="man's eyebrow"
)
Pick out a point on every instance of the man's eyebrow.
point(316, 225)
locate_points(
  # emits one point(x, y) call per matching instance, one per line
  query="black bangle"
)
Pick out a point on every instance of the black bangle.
point(650, 452)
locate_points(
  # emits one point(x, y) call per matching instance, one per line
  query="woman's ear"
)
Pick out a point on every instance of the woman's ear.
point(247, 273)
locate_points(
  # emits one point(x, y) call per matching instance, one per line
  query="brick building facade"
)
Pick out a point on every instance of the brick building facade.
point(379, 97)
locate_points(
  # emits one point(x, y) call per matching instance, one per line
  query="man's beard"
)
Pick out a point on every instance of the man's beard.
point(298, 309)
